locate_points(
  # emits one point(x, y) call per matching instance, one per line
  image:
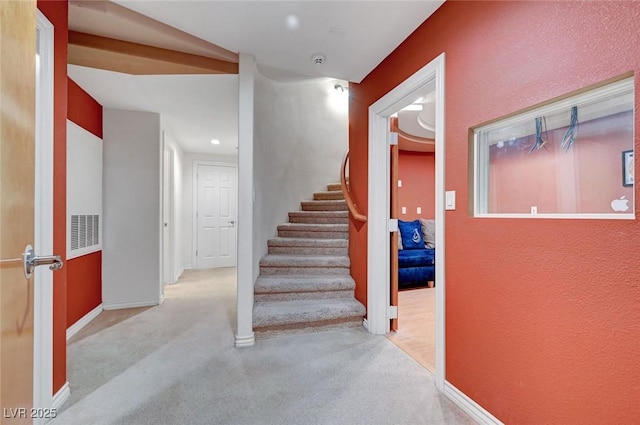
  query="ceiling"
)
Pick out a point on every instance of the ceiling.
point(354, 36)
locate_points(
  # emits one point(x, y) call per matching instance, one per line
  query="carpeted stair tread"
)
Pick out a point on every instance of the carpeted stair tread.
point(319, 217)
point(334, 187)
point(304, 313)
point(328, 195)
point(303, 283)
point(314, 227)
point(335, 205)
point(275, 260)
point(313, 231)
point(309, 242)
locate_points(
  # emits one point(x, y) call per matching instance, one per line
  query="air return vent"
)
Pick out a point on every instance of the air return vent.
point(85, 231)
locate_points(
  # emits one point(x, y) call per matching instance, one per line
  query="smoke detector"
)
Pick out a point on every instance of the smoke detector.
point(318, 58)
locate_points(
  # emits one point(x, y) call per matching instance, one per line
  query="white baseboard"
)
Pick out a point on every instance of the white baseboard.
point(365, 323)
point(245, 341)
point(133, 304)
point(177, 275)
point(473, 409)
point(84, 321)
point(61, 396)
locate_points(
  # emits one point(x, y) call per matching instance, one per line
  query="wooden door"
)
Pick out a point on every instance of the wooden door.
point(394, 213)
point(216, 216)
point(17, 183)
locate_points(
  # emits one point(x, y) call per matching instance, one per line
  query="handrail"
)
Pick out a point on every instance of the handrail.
point(347, 194)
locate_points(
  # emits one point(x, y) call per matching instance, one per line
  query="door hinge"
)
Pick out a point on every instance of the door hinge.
point(393, 225)
point(393, 138)
point(393, 312)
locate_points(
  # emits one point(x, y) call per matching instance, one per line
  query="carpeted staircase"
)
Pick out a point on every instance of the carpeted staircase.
point(305, 283)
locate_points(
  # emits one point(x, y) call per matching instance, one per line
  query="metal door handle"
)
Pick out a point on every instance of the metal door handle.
point(31, 261)
point(232, 222)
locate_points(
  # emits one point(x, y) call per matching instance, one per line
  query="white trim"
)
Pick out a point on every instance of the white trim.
point(603, 216)
point(61, 396)
point(168, 222)
point(83, 321)
point(246, 270)
point(43, 293)
point(473, 409)
point(178, 274)
point(133, 304)
point(246, 341)
point(378, 261)
point(194, 188)
point(365, 324)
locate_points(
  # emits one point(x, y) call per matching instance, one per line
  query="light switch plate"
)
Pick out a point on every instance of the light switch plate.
point(450, 200)
point(399, 183)
point(419, 210)
point(404, 210)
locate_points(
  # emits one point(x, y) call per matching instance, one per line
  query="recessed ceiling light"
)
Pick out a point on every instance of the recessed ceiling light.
point(292, 22)
point(413, 107)
point(215, 141)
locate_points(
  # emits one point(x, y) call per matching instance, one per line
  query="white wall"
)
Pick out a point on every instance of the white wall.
point(131, 266)
point(300, 137)
point(186, 206)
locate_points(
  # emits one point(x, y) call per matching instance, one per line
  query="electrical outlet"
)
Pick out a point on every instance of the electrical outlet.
point(419, 210)
point(404, 210)
point(534, 210)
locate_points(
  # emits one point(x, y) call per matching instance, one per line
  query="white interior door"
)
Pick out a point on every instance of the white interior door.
point(215, 216)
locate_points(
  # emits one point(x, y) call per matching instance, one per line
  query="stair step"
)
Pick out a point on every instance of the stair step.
point(314, 231)
point(319, 217)
point(285, 317)
point(300, 287)
point(334, 186)
point(334, 205)
point(304, 264)
point(308, 246)
point(328, 195)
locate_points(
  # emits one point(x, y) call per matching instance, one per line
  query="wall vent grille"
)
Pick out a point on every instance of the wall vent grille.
point(85, 231)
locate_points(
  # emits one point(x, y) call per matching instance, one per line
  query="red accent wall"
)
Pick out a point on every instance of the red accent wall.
point(84, 274)
point(542, 316)
point(417, 172)
point(84, 285)
point(83, 109)
point(57, 13)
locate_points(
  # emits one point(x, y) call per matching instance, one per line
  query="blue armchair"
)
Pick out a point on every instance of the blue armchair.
point(416, 262)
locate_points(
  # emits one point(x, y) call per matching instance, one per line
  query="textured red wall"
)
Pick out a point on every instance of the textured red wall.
point(84, 285)
point(417, 172)
point(83, 109)
point(84, 274)
point(542, 316)
point(56, 12)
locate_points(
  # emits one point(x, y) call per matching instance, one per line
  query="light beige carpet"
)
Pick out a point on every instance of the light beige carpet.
point(176, 364)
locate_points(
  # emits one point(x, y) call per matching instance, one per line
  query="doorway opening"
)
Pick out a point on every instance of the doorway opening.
point(380, 223)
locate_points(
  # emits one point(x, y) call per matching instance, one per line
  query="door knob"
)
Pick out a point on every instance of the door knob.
point(232, 222)
point(31, 261)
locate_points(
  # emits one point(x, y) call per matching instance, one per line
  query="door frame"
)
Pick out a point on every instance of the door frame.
point(168, 218)
point(43, 292)
point(378, 256)
point(194, 233)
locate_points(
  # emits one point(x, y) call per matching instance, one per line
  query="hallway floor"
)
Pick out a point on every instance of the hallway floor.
point(176, 364)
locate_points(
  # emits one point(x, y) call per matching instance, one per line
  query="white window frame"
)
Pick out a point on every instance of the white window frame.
point(481, 160)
